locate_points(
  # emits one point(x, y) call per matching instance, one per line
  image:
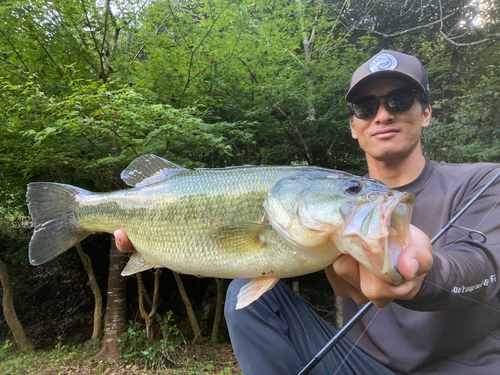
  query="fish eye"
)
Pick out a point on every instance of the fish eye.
point(353, 187)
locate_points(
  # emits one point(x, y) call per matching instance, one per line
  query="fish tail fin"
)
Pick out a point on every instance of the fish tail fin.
point(52, 208)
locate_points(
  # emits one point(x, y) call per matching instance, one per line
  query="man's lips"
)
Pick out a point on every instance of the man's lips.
point(385, 133)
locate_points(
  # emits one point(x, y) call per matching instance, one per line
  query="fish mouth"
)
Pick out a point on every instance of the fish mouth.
point(382, 227)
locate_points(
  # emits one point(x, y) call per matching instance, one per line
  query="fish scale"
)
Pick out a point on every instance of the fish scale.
point(229, 222)
point(167, 225)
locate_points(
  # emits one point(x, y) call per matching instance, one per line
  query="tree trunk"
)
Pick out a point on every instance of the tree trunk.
point(308, 43)
point(115, 318)
point(87, 264)
point(339, 313)
point(218, 310)
point(10, 313)
point(159, 319)
point(148, 317)
point(189, 308)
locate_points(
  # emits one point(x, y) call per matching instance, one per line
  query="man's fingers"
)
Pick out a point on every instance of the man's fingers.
point(342, 288)
point(348, 269)
point(379, 291)
point(123, 242)
point(416, 260)
point(349, 278)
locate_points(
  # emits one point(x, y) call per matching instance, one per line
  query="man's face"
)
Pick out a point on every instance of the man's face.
point(388, 135)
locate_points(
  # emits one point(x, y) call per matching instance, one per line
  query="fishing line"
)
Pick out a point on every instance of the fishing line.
point(489, 212)
point(461, 296)
point(457, 241)
point(356, 343)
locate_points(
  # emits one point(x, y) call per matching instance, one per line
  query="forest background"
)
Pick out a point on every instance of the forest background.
point(87, 86)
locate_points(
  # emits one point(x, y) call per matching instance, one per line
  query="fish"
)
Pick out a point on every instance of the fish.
point(258, 222)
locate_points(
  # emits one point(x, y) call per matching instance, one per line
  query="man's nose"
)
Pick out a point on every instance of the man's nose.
point(383, 114)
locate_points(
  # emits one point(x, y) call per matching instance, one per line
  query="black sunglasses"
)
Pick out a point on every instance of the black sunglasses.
point(399, 100)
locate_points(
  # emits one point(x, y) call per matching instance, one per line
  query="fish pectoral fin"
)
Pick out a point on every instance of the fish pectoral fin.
point(241, 237)
point(254, 289)
point(149, 169)
point(136, 264)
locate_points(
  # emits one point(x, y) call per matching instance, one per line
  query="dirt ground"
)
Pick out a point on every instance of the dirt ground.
point(205, 359)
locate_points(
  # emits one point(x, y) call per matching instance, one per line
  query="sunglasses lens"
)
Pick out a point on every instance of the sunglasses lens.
point(396, 101)
point(366, 108)
point(401, 102)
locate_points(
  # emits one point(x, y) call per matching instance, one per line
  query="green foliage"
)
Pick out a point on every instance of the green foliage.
point(13, 361)
point(464, 128)
point(135, 347)
point(10, 362)
point(6, 350)
point(193, 369)
point(63, 353)
point(83, 136)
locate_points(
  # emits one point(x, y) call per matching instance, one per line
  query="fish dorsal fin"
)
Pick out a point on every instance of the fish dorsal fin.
point(241, 237)
point(254, 289)
point(149, 169)
point(136, 264)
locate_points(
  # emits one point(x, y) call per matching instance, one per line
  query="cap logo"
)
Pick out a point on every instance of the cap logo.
point(383, 62)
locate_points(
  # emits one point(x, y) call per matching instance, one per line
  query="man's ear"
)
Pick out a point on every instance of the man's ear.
point(353, 130)
point(426, 116)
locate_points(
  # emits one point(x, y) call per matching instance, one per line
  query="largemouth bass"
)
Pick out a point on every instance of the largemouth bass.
point(263, 223)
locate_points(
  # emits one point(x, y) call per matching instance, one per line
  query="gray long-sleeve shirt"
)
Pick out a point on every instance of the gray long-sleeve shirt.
point(452, 326)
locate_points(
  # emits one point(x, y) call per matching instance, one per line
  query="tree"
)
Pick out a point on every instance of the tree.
point(87, 264)
point(115, 318)
point(148, 316)
point(10, 313)
point(189, 309)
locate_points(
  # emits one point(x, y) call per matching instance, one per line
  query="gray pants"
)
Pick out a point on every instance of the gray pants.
point(279, 334)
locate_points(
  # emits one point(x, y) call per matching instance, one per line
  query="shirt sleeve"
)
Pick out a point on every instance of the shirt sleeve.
point(466, 272)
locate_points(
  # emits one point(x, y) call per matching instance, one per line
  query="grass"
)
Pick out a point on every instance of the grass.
point(66, 360)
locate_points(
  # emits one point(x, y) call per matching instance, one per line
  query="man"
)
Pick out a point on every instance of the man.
point(445, 317)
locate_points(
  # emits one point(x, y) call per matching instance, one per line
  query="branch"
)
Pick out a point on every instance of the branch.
point(306, 153)
point(412, 29)
point(69, 27)
point(491, 38)
point(334, 25)
point(101, 54)
point(11, 71)
point(135, 14)
point(253, 77)
point(15, 50)
point(350, 28)
point(446, 37)
point(92, 33)
point(328, 151)
point(49, 55)
point(193, 50)
point(145, 44)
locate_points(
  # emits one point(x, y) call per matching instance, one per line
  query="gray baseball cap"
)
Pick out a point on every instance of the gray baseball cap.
point(390, 64)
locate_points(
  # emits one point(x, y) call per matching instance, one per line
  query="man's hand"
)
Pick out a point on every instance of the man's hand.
point(351, 279)
point(123, 242)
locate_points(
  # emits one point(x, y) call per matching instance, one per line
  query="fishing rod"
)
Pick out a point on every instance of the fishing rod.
point(340, 334)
